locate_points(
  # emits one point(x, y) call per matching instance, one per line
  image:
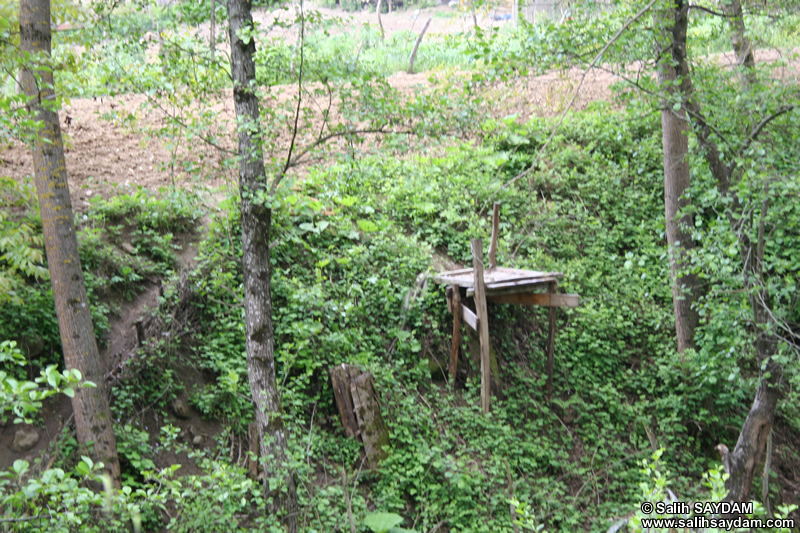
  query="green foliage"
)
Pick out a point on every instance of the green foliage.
point(656, 488)
point(24, 398)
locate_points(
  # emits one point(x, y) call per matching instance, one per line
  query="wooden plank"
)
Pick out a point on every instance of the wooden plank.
point(456, 305)
point(514, 287)
point(465, 277)
point(551, 338)
point(544, 299)
point(495, 232)
point(483, 324)
point(524, 282)
point(373, 430)
point(469, 317)
point(497, 281)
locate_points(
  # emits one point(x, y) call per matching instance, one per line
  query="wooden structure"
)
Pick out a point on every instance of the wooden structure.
point(489, 283)
point(360, 410)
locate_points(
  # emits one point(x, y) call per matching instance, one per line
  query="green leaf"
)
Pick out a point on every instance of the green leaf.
point(382, 522)
point(367, 226)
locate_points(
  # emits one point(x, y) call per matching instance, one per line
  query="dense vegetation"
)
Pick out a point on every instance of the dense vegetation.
point(357, 238)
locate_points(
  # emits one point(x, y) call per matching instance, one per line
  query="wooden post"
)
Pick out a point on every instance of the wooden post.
point(483, 323)
point(551, 340)
point(456, 305)
point(495, 234)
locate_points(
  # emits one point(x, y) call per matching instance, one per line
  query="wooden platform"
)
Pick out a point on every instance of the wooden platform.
point(511, 286)
point(493, 284)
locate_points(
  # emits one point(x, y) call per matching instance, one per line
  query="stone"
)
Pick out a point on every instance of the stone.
point(128, 247)
point(25, 438)
point(180, 408)
point(197, 440)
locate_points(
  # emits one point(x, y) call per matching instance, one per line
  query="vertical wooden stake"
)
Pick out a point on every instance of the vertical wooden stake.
point(551, 340)
point(483, 323)
point(456, 305)
point(495, 234)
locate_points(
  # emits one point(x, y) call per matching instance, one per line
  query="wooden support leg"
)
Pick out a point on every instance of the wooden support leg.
point(551, 340)
point(456, 306)
point(483, 324)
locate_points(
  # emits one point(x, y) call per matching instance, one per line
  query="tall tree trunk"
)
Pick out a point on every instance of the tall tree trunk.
point(751, 446)
point(90, 405)
point(743, 462)
point(675, 129)
point(256, 219)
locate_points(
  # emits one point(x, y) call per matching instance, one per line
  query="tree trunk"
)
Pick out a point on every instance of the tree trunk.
point(741, 44)
point(743, 461)
point(675, 128)
point(90, 405)
point(256, 220)
point(212, 40)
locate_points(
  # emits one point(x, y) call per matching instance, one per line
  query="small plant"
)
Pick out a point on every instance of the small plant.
point(385, 523)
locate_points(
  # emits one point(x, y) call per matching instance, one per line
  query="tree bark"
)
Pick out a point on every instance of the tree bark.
point(675, 129)
point(256, 220)
point(212, 39)
point(90, 405)
point(741, 44)
point(751, 444)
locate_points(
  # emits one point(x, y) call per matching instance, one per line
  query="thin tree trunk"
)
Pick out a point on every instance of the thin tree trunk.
point(256, 220)
point(675, 129)
point(416, 47)
point(380, 23)
point(212, 44)
point(90, 405)
point(741, 44)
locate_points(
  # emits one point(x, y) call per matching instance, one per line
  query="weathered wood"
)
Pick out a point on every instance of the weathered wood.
point(456, 306)
point(448, 294)
point(372, 429)
point(469, 317)
point(465, 277)
point(483, 324)
point(551, 339)
point(521, 282)
point(495, 235)
point(544, 299)
point(359, 408)
point(341, 377)
point(513, 287)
